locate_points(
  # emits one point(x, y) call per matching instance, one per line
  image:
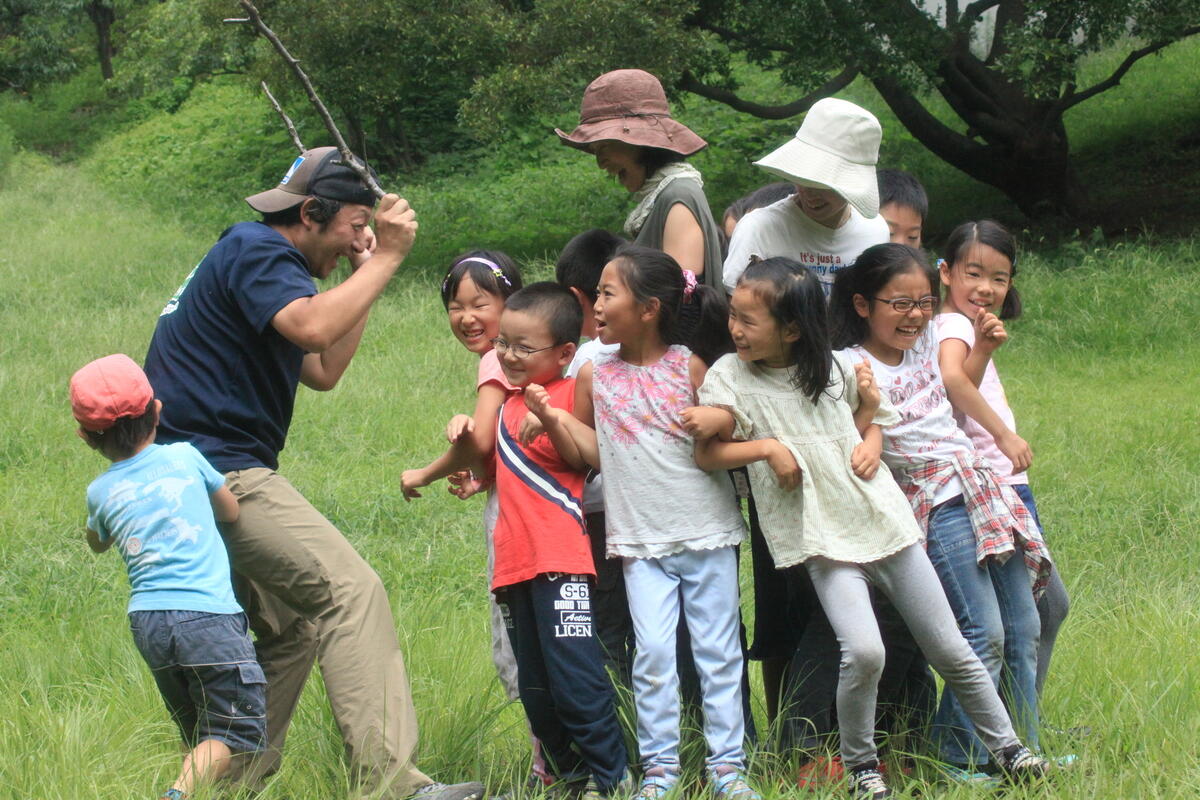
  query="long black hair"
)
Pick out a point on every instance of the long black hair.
point(696, 317)
point(793, 295)
point(872, 271)
point(996, 236)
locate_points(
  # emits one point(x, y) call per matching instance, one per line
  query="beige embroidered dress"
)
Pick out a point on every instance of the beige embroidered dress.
point(833, 513)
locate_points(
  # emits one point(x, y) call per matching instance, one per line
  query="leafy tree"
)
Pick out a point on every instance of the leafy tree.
point(393, 70)
point(1007, 69)
point(35, 42)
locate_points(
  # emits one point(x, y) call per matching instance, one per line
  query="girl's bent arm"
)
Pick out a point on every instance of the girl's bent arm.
point(573, 440)
point(964, 395)
point(713, 454)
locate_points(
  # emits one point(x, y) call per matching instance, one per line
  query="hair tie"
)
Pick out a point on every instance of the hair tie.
point(941, 262)
point(492, 265)
point(689, 284)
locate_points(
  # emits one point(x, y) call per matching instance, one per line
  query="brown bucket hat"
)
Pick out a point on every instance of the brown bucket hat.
point(629, 105)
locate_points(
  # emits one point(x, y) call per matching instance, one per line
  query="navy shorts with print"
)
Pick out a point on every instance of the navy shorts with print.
point(207, 673)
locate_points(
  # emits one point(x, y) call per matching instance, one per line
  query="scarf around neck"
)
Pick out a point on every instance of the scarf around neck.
point(652, 188)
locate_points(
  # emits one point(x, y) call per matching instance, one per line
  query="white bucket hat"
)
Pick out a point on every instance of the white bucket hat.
point(836, 148)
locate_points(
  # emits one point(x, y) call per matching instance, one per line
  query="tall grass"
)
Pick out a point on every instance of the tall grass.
point(1101, 375)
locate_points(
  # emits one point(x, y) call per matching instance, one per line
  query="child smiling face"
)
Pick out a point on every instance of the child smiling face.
point(474, 316)
point(978, 281)
point(890, 332)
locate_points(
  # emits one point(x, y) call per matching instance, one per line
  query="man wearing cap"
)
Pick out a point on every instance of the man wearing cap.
point(246, 327)
point(834, 214)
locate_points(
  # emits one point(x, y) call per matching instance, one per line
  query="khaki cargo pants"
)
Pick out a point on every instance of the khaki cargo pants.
point(309, 595)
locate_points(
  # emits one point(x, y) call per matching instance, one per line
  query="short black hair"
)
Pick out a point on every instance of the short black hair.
point(322, 210)
point(582, 261)
point(897, 186)
point(761, 197)
point(553, 304)
point(122, 439)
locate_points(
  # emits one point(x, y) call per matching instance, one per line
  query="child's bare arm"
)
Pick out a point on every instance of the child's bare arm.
point(705, 422)
point(965, 397)
point(714, 454)
point(573, 440)
point(469, 450)
point(868, 396)
point(990, 334)
point(224, 505)
point(98, 545)
point(864, 459)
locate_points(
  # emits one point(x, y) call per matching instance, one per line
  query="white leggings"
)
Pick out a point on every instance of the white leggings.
point(909, 581)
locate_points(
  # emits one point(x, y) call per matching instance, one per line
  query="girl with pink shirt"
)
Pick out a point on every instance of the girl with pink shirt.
point(978, 273)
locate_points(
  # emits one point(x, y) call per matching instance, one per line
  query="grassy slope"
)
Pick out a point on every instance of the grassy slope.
point(1101, 374)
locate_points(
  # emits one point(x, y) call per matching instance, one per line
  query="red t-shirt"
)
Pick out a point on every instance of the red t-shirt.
point(540, 528)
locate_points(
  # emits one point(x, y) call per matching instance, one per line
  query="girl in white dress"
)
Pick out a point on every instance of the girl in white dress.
point(807, 422)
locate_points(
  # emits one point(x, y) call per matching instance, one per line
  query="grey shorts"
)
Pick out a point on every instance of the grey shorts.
point(208, 676)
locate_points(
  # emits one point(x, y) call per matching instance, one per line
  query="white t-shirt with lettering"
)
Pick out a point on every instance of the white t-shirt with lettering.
point(926, 430)
point(953, 325)
point(783, 229)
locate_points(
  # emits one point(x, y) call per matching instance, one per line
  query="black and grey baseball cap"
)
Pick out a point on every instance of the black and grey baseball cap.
point(321, 171)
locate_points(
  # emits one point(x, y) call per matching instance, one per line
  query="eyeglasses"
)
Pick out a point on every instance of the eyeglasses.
point(519, 350)
point(903, 305)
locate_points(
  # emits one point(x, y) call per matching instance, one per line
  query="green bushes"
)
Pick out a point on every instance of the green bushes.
point(8, 149)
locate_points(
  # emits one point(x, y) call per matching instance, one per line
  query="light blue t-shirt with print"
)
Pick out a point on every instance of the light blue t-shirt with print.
point(156, 506)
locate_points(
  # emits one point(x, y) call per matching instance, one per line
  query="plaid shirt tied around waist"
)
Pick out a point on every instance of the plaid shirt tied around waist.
point(1000, 520)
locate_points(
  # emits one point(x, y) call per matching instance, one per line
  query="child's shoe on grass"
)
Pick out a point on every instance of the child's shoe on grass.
point(866, 783)
point(1019, 764)
point(732, 785)
point(815, 775)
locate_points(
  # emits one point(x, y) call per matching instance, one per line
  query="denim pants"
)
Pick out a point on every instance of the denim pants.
point(705, 583)
point(995, 610)
point(1053, 605)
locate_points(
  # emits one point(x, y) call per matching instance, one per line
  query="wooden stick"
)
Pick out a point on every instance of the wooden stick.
point(352, 160)
point(287, 121)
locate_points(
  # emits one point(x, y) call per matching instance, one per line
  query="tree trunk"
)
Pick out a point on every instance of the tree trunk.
point(103, 16)
point(1013, 143)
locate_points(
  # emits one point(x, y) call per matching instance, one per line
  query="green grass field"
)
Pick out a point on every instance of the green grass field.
point(1101, 373)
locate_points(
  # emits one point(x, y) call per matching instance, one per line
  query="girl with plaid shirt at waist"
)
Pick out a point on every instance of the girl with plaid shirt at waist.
point(975, 525)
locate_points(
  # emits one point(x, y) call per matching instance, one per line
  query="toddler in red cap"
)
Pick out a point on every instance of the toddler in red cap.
point(159, 504)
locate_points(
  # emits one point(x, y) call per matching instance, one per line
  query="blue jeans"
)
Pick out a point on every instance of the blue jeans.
point(995, 610)
point(206, 672)
point(705, 585)
point(1053, 605)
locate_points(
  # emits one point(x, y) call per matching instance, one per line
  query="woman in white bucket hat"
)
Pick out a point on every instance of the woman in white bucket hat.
point(834, 214)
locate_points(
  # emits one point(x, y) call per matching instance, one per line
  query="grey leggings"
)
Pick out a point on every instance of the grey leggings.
point(909, 581)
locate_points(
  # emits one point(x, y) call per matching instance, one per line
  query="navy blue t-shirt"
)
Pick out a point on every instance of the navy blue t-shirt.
point(226, 378)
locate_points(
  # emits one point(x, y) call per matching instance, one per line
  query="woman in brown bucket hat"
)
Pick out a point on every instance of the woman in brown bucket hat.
point(625, 122)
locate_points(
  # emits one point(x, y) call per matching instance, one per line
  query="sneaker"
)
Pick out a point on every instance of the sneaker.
point(967, 777)
point(865, 783)
point(173, 794)
point(654, 787)
point(449, 791)
point(1019, 764)
point(732, 785)
point(820, 772)
point(622, 791)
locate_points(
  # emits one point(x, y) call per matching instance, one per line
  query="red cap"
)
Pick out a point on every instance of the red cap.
point(107, 389)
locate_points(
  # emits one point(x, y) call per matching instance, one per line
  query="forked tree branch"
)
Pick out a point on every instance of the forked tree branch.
point(287, 121)
point(1114, 79)
point(838, 82)
point(352, 160)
